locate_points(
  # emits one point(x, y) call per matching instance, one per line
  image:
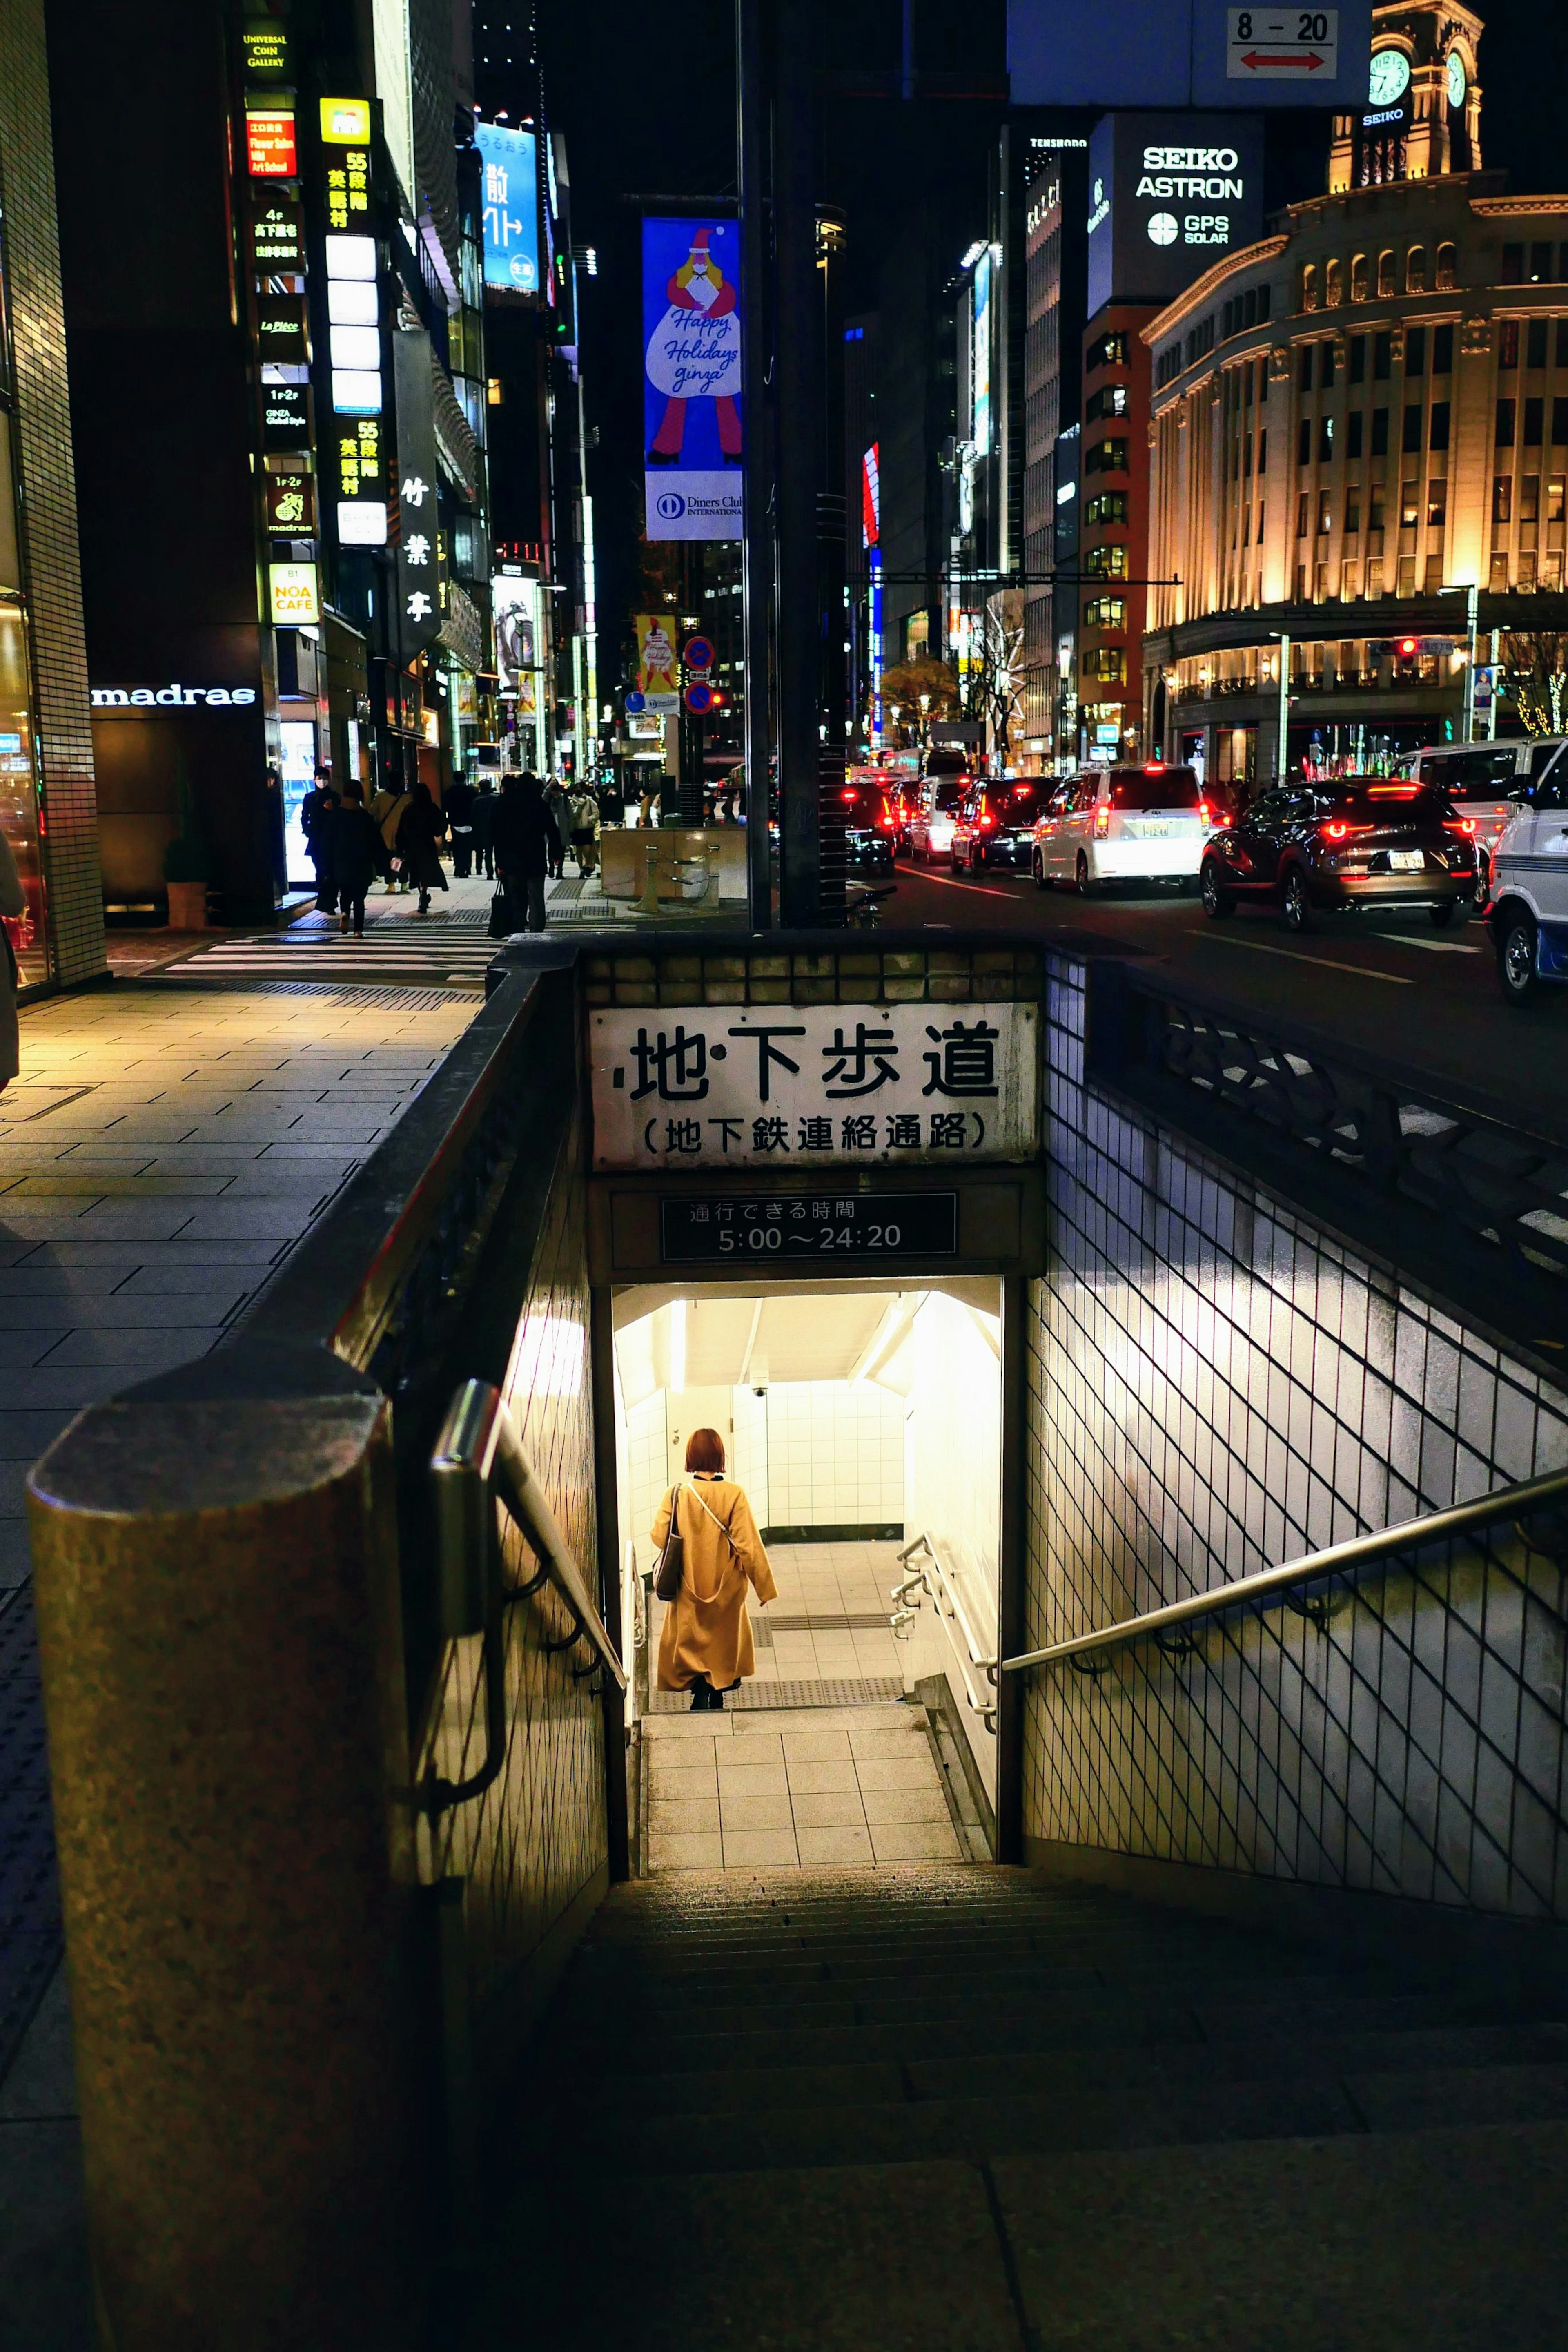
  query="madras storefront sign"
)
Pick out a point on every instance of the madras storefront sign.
point(108, 701)
point(800, 1087)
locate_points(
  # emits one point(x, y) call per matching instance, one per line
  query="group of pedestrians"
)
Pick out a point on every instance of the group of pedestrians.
point(520, 837)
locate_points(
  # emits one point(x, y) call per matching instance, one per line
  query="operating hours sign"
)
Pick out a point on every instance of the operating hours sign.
point(770, 1088)
point(791, 1232)
point(1292, 45)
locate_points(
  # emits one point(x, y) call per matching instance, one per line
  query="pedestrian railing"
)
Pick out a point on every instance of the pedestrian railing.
point(928, 1578)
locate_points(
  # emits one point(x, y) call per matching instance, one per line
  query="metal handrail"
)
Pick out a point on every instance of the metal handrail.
point(479, 1460)
point(919, 1580)
point(1337, 1559)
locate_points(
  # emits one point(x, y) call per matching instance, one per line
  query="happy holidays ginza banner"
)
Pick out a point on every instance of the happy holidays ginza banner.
point(691, 378)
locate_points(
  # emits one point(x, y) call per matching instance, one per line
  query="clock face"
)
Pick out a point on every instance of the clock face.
point(1390, 77)
point(1457, 82)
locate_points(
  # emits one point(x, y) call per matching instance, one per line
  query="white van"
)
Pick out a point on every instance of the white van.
point(1147, 823)
point(1529, 912)
point(1486, 782)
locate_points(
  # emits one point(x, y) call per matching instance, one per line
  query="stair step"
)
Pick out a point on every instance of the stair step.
point(1413, 2062)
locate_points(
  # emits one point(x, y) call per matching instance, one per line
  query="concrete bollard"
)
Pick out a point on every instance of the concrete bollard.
point(218, 1608)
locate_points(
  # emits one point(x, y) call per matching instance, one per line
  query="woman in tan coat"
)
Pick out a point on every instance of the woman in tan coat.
point(706, 1646)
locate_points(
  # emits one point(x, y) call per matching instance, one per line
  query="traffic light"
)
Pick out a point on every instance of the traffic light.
point(1408, 647)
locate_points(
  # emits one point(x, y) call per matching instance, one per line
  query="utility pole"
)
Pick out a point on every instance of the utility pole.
point(755, 145)
point(1282, 757)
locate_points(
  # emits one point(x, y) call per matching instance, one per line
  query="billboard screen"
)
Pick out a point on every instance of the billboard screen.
point(509, 162)
point(691, 378)
point(1169, 195)
point(1188, 53)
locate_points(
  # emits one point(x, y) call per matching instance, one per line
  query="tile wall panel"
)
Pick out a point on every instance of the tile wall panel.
point(835, 1455)
point(531, 1845)
point(48, 486)
point(1213, 1387)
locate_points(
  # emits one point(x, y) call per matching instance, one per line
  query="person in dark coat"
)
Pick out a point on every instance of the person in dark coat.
point(460, 798)
point(419, 837)
point(526, 844)
point(315, 823)
point(483, 810)
point(356, 845)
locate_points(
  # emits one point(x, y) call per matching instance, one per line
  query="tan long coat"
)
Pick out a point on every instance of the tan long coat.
point(706, 1629)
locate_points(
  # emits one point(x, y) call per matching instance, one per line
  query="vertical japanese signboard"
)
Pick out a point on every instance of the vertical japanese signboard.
point(691, 384)
point(418, 559)
point(508, 161)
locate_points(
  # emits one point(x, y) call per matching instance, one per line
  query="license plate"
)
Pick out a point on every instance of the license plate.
point(1154, 831)
point(1405, 861)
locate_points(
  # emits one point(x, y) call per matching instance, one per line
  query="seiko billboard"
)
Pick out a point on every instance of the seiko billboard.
point(1169, 195)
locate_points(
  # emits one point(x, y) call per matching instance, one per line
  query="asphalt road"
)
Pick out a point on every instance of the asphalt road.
point(1389, 985)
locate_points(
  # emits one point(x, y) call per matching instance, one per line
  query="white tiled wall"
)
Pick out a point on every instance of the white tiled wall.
point(835, 1455)
point(954, 1491)
point(748, 1448)
point(646, 1472)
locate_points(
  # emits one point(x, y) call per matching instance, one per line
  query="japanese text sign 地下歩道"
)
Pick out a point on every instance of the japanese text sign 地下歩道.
point(769, 1087)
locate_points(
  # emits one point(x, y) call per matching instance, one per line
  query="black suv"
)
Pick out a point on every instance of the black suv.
point(1350, 841)
point(870, 827)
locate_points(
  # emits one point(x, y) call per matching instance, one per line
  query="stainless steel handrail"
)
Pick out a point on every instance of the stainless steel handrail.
point(479, 1460)
point(1355, 1553)
point(919, 1578)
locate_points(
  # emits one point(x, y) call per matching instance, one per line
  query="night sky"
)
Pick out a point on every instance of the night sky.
point(647, 103)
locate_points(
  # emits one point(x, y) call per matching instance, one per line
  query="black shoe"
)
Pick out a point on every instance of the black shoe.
point(664, 457)
point(702, 1693)
point(716, 1700)
point(732, 457)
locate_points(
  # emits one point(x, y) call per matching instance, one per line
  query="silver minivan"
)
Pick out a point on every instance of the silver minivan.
point(1486, 782)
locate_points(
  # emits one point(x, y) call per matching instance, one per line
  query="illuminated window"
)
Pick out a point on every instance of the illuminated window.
point(1358, 277)
point(1334, 286)
point(1409, 506)
point(1385, 273)
point(1310, 287)
point(1437, 504)
point(1508, 343)
point(1107, 612)
point(1325, 512)
point(1447, 267)
point(1503, 497)
point(1415, 270)
point(1554, 493)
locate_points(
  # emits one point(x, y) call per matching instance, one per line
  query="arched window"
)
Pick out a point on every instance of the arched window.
point(1334, 286)
point(1385, 273)
point(1415, 270)
point(1358, 278)
point(1310, 287)
point(1448, 266)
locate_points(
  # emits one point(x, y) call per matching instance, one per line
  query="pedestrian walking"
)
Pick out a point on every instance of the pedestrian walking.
point(706, 1646)
point(315, 824)
point(583, 814)
point(557, 799)
point(525, 844)
point(460, 799)
point(13, 906)
point(355, 842)
point(482, 811)
point(387, 806)
point(421, 831)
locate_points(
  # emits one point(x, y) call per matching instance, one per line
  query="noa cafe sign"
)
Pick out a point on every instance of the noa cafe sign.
point(112, 700)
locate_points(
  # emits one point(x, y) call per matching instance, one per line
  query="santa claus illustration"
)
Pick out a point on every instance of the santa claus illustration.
point(694, 353)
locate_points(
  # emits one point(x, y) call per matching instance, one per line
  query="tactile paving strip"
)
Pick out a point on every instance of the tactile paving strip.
point(30, 1931)
point(848, 1691)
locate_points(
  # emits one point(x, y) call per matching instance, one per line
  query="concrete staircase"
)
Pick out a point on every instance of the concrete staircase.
point(947, 2109)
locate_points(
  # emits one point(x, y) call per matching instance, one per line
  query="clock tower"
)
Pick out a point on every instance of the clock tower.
point(1423, 110)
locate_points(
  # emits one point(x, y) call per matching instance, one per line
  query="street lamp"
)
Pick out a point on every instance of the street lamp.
point(1283, 638)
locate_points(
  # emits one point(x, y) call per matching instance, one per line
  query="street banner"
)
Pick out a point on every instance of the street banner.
point(691, 382)
point(658, 681)
point(418, 545)
point(510, 161)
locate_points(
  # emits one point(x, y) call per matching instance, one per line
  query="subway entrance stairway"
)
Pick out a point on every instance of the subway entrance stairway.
point(954, 2108)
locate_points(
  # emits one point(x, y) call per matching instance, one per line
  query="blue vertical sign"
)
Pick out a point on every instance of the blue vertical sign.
point(691, 378)
point(508, 161)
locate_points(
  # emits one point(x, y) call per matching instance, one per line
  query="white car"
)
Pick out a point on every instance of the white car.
point(1528, 910)
point(1147, 823)
point(1486, 782)
point(931, 826)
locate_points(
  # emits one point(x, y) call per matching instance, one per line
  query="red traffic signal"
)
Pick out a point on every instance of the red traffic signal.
point(1408, 647)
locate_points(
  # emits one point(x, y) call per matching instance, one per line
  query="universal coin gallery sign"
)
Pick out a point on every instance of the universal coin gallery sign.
point(770, 1088)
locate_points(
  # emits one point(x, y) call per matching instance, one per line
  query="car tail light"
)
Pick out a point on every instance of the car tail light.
point(1334, 831)
point(847, 795)
point(1203, 814)
point(1465, 824)
point(987, 820)
point(1153, 768)
point(1102, 819)
point(887, 823)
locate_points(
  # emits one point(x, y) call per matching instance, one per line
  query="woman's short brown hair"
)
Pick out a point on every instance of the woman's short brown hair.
point(705, 1451)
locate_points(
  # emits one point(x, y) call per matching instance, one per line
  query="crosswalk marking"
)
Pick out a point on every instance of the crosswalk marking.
point(431, 954)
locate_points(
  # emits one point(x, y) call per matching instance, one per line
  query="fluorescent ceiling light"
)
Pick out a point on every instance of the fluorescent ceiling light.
point(351, 257)
point(361, 522)
point(352, 302)
point(357, 392)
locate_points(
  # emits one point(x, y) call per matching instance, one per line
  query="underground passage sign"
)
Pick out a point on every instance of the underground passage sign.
point(800, 1087)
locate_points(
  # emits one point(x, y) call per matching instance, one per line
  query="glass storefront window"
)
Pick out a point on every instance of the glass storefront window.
point(18, 790)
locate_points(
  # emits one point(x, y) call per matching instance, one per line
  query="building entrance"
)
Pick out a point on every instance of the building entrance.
point(862, 1424)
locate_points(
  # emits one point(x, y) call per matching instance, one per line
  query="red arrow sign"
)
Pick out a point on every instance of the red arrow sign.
point(1309, 59)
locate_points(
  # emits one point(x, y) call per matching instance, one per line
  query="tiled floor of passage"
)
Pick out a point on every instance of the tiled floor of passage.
point(160, 1155)
point(794, 1788)
point(825, 1583)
